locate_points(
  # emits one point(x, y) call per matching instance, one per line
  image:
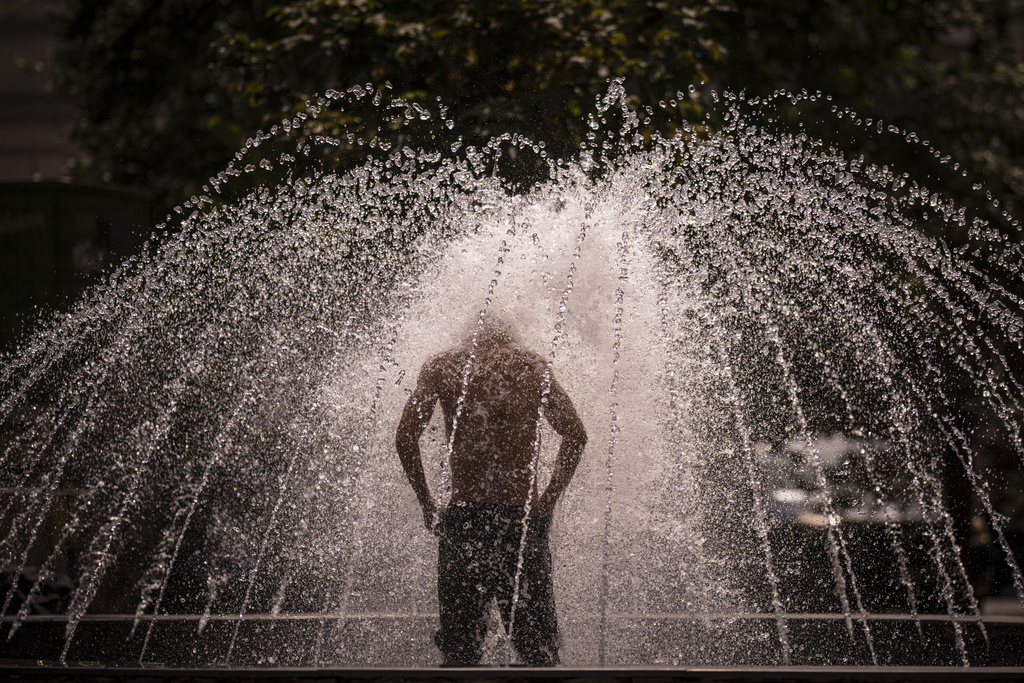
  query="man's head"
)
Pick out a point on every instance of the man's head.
point(493, 330)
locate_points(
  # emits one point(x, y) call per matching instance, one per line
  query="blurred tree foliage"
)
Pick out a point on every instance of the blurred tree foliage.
point(170, 89)
point(951, 71)
point(151, 110)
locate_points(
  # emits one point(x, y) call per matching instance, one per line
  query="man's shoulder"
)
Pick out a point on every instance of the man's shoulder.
point(523, 360)
point(531, 358)
point(445, 362)
point(447, 356)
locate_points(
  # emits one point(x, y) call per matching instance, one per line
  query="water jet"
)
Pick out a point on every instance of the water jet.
point(769, 355)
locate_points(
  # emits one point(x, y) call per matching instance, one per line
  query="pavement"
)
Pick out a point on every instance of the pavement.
point(31, 673)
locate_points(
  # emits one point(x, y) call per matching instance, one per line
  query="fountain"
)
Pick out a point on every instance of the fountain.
point(766, 352)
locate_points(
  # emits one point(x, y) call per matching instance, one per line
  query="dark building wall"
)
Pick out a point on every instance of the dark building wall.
point(34, 116)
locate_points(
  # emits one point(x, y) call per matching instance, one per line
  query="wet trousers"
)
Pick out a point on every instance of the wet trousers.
point(477, 558)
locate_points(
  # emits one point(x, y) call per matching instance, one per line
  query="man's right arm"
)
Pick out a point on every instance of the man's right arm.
point(415, 417)
point(562, 416)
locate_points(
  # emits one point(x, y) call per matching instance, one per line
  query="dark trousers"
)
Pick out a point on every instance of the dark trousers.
point(477, 559)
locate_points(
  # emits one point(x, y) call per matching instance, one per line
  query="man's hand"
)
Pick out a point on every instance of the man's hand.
point(415, 417)
point(562, 415)
point(430, 517)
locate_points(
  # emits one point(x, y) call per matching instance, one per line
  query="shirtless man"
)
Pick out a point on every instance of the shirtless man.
point(480, 530)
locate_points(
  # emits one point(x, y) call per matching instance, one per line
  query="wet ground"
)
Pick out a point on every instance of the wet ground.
point(33, 674)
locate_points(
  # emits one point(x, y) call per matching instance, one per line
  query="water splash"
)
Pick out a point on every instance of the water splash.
point(716, 300)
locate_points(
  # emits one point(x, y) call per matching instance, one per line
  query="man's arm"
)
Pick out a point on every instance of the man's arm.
point(561, 414)
point(415, 418)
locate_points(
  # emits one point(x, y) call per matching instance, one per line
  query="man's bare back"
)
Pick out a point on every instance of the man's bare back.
point(490, 546)
point(496, 431)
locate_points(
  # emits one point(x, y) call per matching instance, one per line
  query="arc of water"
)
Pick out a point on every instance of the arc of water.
point(15, 397)
point(292, 560)
point(966, 461)
point(358, 528)
point(946, 267)
point(272, 522)
point(839, 553)
point(910, 246)
point(1007, 372)
point(114, 354)
point(760, 518)
point(854, 312)
point(671, 364)
point(935, 505)
point(921, 475)
point(993, 394)
point(881, 498)
point(670, 369)
point(955, 269)
point(781, 624)
point(947, 531)
point(43, 508)
point(67, 453)
point(152, 578)
point(837, 543)
point(66, 331)
point(215, 581)
point(936, 551)
point(943, 264)
point(613, 437)
point(282, 588)
point(146, 291)
point(20, 496)
point(87, 590)
point(998, 522)
point(907, 245)
point(42, 505)
point(45, 568)
point(884, 371)
point(221, 443)
point(938, 560)
point(588, 210)
point(966, 454)
point(693, 374)
point(38, 369)
point(70, 528)
point(264, 543)
point(939, 510)
point(949, 268)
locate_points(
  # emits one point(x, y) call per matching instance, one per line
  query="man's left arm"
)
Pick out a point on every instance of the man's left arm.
point(415, 417)
point(562, 416)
